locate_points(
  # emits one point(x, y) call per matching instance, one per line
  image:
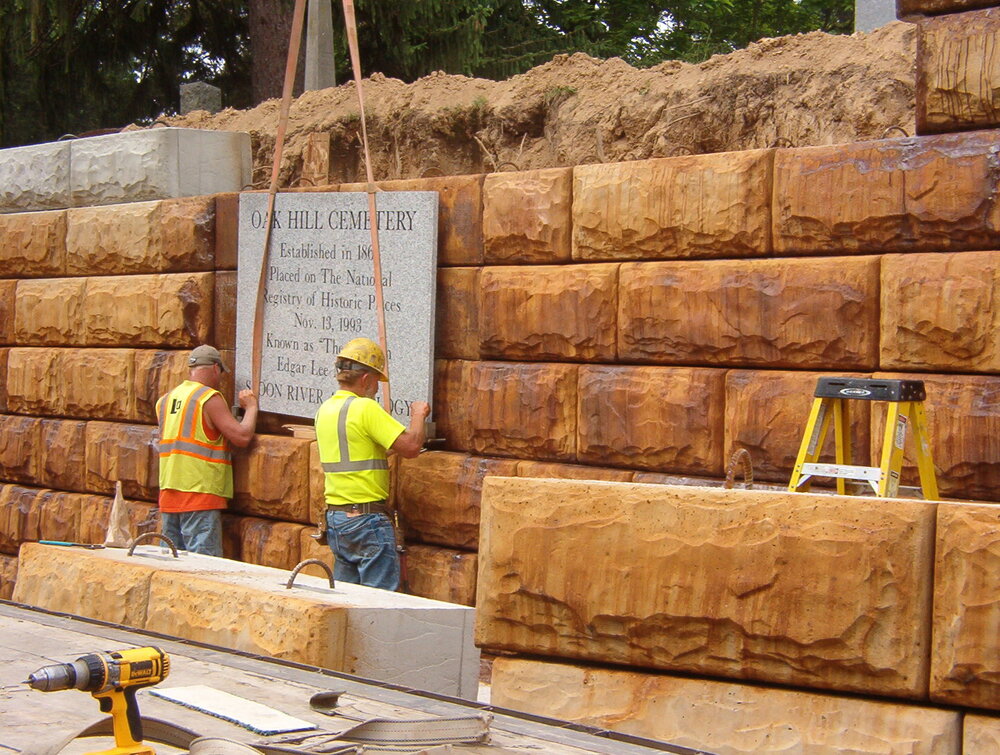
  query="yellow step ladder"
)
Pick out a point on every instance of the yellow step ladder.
point(905, 398)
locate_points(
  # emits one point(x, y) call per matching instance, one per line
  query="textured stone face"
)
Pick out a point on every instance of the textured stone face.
point(456, 315)
point(441, 574)
point(722, 717)
point(964, 662)
point(524, 410)
point(271, 478)
point(668, 419)
point(550, 470)
point(455, 402)
point(957, 71)
point(61, 455)
point(935, 193)
point(8, 576)
point(33, 381)
point(270, 543)
point(930, 7)
point(438, 494)
point(157, 372)
point(95, 383)
point(787, 588)
point(35, 177)
point(283, 626)
point(18, 517)
point(34, 243)
point(963, 417)
point(549, 312)
point(58, 516)
point(18, 448)
point(142, 237)
point(224, 327)
point(767, 412)
point(673, 208)
point(527, 216)
point(980, 733)
point(8, 292)
point(126, 453)
point(62, 580)
point(50, 312)
point(777, 313)
point(941, 312)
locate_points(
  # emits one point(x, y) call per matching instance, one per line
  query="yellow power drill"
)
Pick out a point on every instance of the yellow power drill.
point(113, 679)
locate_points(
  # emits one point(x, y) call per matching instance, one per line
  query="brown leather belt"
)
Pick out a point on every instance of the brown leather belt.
point(354, 509)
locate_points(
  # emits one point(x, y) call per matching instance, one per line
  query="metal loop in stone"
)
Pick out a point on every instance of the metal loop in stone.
point(150, 536)
point(431, 171)
point(303, 564)
point(512, 165)
point(301, 179)
point(740, 457)
point(890, 129)
point(680, 149)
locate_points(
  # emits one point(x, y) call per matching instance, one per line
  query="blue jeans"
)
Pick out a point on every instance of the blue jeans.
point(364, 549)
point(194, 531)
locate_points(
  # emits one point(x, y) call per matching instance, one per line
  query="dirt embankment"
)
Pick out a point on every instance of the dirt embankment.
point(790, 91)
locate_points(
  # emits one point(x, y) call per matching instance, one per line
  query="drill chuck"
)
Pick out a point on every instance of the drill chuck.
point(82, 674)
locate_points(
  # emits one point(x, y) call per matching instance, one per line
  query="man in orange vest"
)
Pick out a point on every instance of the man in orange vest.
point(196, 473)
point(354, 434)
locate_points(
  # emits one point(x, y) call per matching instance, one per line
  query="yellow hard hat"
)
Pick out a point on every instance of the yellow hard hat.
point(365, 351)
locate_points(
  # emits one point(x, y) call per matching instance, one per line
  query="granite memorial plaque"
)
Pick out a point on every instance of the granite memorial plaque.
point(320, 293)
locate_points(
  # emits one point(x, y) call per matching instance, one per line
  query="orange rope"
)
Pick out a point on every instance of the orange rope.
point(352, 43)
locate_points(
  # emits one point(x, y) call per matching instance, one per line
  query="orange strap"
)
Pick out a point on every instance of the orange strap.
point(279, 145)
point(352, 42)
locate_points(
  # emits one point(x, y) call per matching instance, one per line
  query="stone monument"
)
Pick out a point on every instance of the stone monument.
point(200, 96)
point(320, 293)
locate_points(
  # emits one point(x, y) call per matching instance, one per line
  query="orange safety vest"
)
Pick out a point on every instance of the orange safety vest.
point(190, 460)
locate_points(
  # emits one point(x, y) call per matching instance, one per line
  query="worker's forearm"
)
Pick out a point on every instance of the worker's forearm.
point(247, 426)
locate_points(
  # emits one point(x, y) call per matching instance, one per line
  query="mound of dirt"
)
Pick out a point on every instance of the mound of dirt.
point(798, 90)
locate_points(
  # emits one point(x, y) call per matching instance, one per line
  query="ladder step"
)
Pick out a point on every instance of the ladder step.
point(843, 471)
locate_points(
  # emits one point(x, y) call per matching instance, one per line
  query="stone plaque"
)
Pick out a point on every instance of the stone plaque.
point(320, 293)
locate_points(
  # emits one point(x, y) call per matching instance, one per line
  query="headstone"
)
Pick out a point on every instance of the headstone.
point(320, 293)
point(200, 96)
point(320, 70)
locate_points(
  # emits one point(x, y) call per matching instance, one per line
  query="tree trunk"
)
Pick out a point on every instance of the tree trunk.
point(270, 30)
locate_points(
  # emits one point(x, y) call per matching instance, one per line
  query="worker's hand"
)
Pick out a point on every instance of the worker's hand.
point(420, 410)
point(248, 399)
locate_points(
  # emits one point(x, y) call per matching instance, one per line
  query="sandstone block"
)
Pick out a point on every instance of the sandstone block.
point(668, 419)
point(227, 230)
point(441, 574)
point(61, 579)
point(779, 587)
point(95, 515)
point(34, 244)
point(980, 733)
point(527, 216)
point(224, 327)
point(715, 205)
point(157, 164)
point(270, 543)
point(58, 516)
point(317, 486)
point(35, 177)
point(438, 496)
point(767, 412)
point(939, 312)
point(776, 313)
point(721, 717)
point(455, 402)
point(129, 454)
point(963, 416)
point(18, 516)
point(8, 294)
point(549, 312)
point(271, 479)
point(460, 213)
point(456, 315)
point(8, 576)
point(931, 194)
point(231, 542)
point(524, 410)
point(34, 382)
point(550, 470)
point(61, 455)
point(19, 445)
point(167, 236)
point(933, 7)
point(50, 312)
point(958, 68)
point(157, 372)
point(95, 382)
point(964, 660)
point(3, 383)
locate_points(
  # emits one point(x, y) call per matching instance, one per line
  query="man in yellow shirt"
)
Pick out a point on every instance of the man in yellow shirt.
point(354, 435)
point(196, 473)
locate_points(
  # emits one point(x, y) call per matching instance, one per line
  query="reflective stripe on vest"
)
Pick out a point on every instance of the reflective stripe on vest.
point(345, 464)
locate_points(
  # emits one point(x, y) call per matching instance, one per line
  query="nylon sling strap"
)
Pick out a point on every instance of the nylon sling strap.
point(352, 42)
point(346, 464)
point(279, 145)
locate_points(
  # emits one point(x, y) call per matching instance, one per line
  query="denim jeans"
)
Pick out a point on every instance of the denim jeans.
point(194, 531)
point(364, 549)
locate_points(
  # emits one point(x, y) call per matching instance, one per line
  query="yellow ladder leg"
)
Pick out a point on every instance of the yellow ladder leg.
point(925, 464)
point(842, 438)
point(812, 440)
point(896, 420)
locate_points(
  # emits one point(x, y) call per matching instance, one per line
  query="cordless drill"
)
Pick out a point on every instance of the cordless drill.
point(112, 678)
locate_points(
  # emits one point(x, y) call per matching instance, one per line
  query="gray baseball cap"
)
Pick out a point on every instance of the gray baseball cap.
point(206, 355)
